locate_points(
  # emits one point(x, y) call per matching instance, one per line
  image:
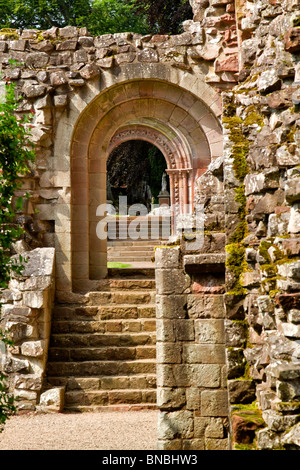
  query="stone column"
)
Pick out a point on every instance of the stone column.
point(192, 398)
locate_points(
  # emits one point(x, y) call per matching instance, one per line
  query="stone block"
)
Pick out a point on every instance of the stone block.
point(33, 299)
point(205, 306)
point(170, 307)
point(292, 190)
point(291, 439)
point(33, 349)
point(148, 55)
point(170, 399)
point(209, 331)
point(292, 40)
point(34, 91)
point(203, 354)
point(184, 330)
point(53, 400)
point(167, 257)
point(165, 330)
point(171, 281)
point(241, 391)
point(214, 403)
point(236, 333)
point(177, 424)
point(294, 220)
point(193, 399)
point(39, 262)
point(37, 60)
point(12, 365)
point(168, 353)
point(90, 71)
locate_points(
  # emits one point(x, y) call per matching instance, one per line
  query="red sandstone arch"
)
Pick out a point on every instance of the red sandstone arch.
point(178, 122)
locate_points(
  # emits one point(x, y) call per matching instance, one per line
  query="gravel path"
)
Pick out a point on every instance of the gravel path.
point(86, 431)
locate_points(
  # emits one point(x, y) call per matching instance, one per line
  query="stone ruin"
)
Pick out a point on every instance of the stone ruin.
point(222, 103)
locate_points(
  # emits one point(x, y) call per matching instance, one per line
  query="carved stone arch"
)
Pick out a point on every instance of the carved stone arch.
point(182, 121)
point(175, 150)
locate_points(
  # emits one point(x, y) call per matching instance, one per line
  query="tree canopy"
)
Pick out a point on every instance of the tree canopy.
point(98, 16)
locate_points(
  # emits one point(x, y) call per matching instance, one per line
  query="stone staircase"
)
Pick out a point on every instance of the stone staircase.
point(131, 251)
point(121, 248)
point(103, 351)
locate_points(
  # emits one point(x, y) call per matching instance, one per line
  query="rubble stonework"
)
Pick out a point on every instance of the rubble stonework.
point(227, 310)
point(261, 160)
point(26, 311)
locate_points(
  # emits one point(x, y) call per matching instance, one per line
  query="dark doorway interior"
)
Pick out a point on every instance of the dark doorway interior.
point(135, 169)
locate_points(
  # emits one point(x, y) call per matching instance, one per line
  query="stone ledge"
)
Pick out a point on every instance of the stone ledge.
point(209, 262)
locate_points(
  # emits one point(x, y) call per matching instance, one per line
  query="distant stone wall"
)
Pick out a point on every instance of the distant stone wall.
point(26, 311)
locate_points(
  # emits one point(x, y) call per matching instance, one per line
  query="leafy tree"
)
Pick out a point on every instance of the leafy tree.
point(164, 17)
point(111, 16)
point(43, 14)
point(99, 16)
point(16, 153)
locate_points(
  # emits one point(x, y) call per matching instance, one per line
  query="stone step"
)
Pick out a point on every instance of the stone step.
point(109, 398)
point(98, 340)
point(121, 297)
point(134, 243)
point(129, 259)
point(102, 354)
point(126, 284)
point(98, 368)
point(121, 408)
point(105, 326)
point(103, 313)
point(131, 249)
point(130, 253)
point(105, 382)
point(132, 273)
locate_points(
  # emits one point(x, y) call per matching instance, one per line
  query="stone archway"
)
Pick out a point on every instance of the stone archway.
point(177, 121)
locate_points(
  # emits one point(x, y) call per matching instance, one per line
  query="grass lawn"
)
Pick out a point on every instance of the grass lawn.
point(112, 265)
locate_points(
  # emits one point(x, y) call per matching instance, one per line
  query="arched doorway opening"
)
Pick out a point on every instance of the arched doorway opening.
point(135, 170)
point(174, 120)
point(138, 204)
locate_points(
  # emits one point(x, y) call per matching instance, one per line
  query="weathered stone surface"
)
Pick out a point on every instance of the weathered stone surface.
point(292, 40)
point(32, 349)
point(291, 439)
point(244, 426)
point(90, 71)
point(241, 391)
point(53, 400)
point(37, 59)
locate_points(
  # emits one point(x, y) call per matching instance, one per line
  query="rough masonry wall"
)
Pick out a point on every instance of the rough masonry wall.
point(26, 312)
point(261, 122)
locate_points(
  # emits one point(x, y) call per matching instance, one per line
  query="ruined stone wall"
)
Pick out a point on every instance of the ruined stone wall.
point(26, 312)
point(261, 176)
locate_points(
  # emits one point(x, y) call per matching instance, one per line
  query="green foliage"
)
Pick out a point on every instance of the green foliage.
point(6, 400)
point(237, 265)
point(16, 153)
point(43, 14)
point(111, 16)
point(98, 16)
point(165, 17)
